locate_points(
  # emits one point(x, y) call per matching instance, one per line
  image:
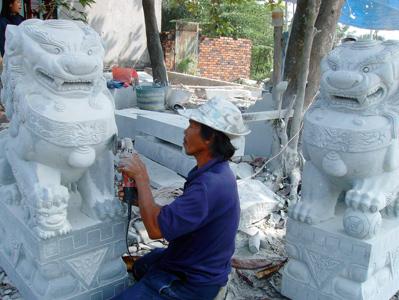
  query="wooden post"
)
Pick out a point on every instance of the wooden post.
point(277, 22)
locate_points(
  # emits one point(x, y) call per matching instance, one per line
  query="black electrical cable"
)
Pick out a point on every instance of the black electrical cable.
point(129, 196)
point(129, 218)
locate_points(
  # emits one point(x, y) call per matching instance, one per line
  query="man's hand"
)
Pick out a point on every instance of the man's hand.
point(149, 210)
point(134, 168)
point(121, 194)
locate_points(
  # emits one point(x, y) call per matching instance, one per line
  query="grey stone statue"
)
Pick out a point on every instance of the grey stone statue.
point(61, 225)
point(342, 236)
point(350, 140)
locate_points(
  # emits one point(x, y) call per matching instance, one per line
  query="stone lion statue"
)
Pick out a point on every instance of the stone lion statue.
point(61, 125)
point(350, 139)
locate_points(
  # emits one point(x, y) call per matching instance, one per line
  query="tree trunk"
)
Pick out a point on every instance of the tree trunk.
point(326, 25)
point(304, 62)
point(326, 22)
point(154, 43)
point(295, 49)
point(291, 156)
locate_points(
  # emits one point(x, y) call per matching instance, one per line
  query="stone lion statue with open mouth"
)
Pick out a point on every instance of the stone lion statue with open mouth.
point(350, 139)
point(61, 125)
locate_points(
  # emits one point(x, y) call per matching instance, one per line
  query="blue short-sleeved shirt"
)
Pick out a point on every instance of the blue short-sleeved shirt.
point(201, 225)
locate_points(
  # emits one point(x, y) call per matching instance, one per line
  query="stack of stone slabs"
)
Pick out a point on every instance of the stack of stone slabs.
point(163, 140)
point(158, 136)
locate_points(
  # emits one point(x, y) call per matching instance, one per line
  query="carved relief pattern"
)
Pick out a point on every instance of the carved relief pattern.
point(68, 134)
point(86, 266)
point(322, 267)
point(345, 140)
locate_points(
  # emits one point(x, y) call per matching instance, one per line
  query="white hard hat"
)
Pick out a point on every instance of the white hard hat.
point(219, 114)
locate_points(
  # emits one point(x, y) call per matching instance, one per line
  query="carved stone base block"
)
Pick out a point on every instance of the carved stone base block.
point(325, 263)
point(84, 264)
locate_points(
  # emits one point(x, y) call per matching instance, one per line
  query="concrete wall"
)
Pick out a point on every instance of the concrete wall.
point(120, 23)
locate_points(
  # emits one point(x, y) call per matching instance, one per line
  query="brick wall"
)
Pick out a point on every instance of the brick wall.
point(224, 58)
point(219, 58)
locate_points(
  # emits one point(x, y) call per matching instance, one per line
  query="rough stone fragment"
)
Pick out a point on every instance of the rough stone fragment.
point(254, 243)
point(256, 201)
point(142, 232)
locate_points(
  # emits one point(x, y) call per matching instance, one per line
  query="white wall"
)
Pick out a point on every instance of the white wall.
point(120, 23)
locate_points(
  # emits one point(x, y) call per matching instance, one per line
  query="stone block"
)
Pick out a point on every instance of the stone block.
point(326, 263)
point(167, 127)
point(164, 153)
point(84, 264)
point(124, 97)
point(227, 93)
point(256, 201)
point(161, 176)
point(259, 141)
point(126, 121)
point(140, 228)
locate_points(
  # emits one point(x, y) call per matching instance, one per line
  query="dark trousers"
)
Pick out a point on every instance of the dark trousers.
point(154, 283)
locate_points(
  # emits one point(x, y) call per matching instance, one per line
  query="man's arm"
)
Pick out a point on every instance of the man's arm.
point(149, 210)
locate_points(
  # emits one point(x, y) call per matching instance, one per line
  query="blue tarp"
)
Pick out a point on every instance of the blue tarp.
point(371, 14)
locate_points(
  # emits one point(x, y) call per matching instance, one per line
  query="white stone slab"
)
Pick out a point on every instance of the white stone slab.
point(259, 141)
point(164, 153)
point(256, 201)
point(130, 123)
point(161, 176)
point(167, 127)
point(227, 93)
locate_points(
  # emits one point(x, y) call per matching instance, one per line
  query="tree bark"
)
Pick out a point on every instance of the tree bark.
point(304, 62)
point(154, 47)
point(295, 49)
point(291, 156)
point(326, 23)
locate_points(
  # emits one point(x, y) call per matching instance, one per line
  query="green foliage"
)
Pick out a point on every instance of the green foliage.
point(47, 9)
point(272, 4)
point(187, 65)
point(211, 14)
point(230, 18)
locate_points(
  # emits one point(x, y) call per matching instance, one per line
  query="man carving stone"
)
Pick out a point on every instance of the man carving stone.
point(201, 224)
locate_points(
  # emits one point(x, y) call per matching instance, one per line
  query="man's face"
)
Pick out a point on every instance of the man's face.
point(15, 7)
point(193, 142)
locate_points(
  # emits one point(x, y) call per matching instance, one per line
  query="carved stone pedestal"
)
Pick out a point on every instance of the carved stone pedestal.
point(325, 263)
point(84, 264)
